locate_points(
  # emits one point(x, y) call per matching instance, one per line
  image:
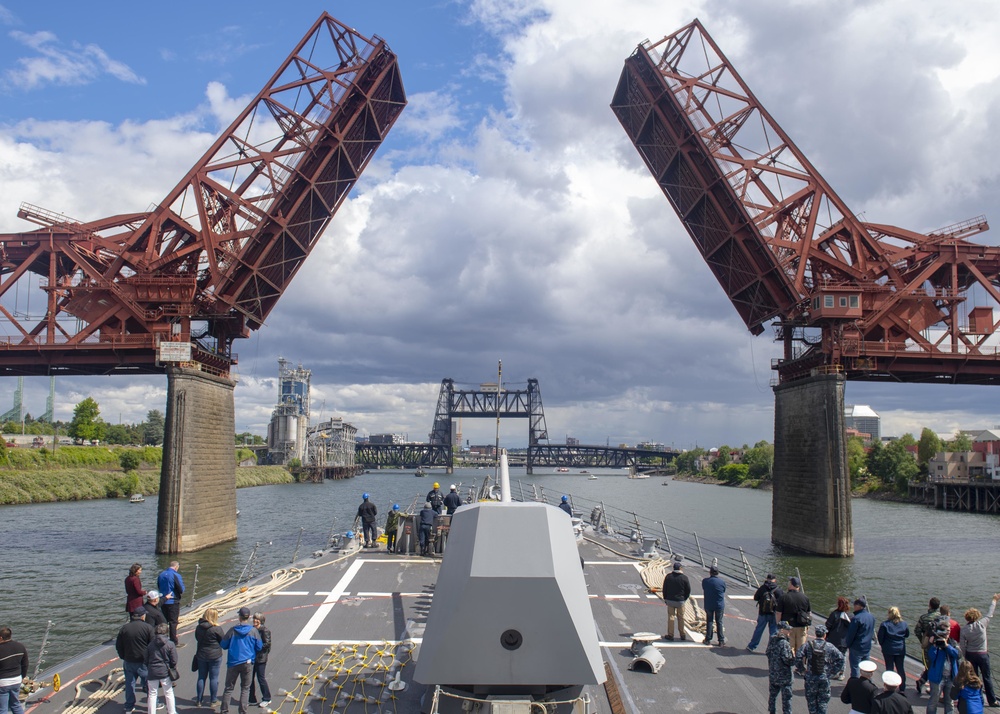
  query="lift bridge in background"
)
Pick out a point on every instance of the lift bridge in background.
point(496, 402)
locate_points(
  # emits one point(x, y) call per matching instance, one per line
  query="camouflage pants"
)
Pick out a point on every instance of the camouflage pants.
point(817, 693)
point(786, 698)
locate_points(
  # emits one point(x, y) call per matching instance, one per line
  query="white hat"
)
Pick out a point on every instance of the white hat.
point(453, 487)
point(868, 666)
point(891, 679)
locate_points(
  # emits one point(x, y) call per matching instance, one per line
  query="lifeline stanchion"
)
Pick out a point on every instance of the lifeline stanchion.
point(297, 544)
point(194, 587)
point(700, 554)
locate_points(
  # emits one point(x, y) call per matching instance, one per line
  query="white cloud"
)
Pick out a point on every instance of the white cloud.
point(59, 63)
point(530, 231)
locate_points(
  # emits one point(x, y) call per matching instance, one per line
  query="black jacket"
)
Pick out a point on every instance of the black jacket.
point(133, 639)
point(676, 586)
point(836, 628)
point(208, 637)
point(153, 615)
point(859, 693)
point(367, 512)
point(265, 637)
point(427, 516)
point(452, 501)
point(435, 498)
point(891, 703)
point(763, 591)
point(13, 660)
point(160, 656)
point(795, 609)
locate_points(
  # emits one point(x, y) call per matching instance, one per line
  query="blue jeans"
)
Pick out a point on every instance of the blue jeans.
point(714, 618)
point(942, 687)
point(208, 669)
point(857, 656)
point(762, 622)
point(259, 677)
point(8, 699)
point(133, 671)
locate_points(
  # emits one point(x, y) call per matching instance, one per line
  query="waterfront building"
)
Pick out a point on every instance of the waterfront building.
point(963, 465)
point(863, 418)
point(330, 444)
point(386, 439)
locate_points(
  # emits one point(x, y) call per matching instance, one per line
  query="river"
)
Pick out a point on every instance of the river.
point(66, 562)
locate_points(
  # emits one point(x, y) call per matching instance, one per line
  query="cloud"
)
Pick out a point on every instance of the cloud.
point(58, 63)
point(530, 231)
point(7, 17)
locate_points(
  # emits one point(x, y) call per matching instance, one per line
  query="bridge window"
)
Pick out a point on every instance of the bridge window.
point(828, 301)
point(854, 301)
point(816, 303)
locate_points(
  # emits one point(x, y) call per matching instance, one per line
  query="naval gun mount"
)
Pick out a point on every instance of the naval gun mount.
point(510, 624)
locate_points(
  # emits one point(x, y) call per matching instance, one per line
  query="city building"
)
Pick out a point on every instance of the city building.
point(386, 439)
point(286, 432)
point(572, 441)
point(864, 419)
point(963, 465)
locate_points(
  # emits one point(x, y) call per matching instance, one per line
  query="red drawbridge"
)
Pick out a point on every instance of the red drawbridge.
point(180, 282)
point(869, 300)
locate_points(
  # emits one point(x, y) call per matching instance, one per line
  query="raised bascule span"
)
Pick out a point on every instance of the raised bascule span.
point(849, 299)
point(170, 289)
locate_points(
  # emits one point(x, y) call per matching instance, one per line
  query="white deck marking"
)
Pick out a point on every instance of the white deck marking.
point(300, 593)
point(658, 645)
point(622, 597)
point(305, 637)
point(739, 597)
point(609, 562)
point(367, 594)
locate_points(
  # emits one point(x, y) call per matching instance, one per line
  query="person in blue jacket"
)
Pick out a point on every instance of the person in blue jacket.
point(564, 505)
point(427, 516)
point(171, 586)
point(942, 668)
point(891, 637)
point(714, 589)
point(859, 635)
point(243, 643)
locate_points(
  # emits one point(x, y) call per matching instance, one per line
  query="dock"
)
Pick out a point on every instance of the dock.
point(969, 495)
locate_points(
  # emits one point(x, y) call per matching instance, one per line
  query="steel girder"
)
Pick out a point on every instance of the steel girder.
point(776, 235)
point(414, 455)
point(224, 244)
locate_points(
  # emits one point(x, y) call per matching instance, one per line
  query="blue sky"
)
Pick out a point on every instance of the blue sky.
point(507, 216)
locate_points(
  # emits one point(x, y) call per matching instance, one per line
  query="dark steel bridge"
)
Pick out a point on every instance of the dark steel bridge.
point(496, 402)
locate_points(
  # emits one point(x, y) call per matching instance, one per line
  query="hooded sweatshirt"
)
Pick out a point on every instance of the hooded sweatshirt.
point(243, 643)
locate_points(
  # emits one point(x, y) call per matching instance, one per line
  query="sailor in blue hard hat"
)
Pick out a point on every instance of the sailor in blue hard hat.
point(366, 514)
point(564, 505)
point(391, 526)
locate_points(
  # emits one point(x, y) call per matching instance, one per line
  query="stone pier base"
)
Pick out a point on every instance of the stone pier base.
point(198, 480)
point(811, 501)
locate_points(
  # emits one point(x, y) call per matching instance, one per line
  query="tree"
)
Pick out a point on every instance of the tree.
point(961, 442)
point(893, 465)
point(857, 459)
point(87, 423)
point(907, 439)
point(722, 459)
point(759, 460)
point(928, 445)
point(687, 462)
point(152, 429)
point(734, 473)
point(129, 461)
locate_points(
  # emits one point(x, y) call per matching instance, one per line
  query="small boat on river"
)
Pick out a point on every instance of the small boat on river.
point(137, 498)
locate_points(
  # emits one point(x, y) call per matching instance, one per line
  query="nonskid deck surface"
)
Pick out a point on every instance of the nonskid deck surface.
point(350, 626)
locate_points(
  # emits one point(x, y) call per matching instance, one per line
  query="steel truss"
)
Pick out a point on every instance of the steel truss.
point(777, 236)
point(209, 262)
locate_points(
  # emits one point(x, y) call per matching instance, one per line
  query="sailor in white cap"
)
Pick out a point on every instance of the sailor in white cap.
point(452, 500)
point(891, 701)
point(860, 691)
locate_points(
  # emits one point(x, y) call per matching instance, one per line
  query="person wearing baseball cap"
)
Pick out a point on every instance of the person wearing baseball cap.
point(860, 692)
point(154, 616)
point(819, 661)
point(243, 642)
point(780, 659)
point(860, 635)
point(890, 701)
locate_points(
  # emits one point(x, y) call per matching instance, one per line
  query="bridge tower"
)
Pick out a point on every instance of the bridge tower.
point(498, 403)
point(849, 299)
point(170, 289)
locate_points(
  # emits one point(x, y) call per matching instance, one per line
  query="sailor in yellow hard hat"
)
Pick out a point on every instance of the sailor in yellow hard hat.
point(436, 498)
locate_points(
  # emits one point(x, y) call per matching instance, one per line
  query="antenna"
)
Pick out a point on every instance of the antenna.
point(496, 448)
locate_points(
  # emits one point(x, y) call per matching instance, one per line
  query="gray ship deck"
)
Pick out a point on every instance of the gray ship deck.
point(348, 624)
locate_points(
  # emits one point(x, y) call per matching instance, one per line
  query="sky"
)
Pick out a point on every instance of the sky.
point(507, 216)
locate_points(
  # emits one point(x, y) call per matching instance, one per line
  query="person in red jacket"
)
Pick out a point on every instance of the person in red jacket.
point(133, 589)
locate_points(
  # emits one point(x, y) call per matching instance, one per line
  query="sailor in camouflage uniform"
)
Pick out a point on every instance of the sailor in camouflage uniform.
point(780, 659)
point(820, 661)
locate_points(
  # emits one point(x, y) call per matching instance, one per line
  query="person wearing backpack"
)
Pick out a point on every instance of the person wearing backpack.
point(243, 643)
point(767, 596)
point(924, 630)
point(819, 661)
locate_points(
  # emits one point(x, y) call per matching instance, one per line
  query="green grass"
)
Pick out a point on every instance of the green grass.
point(42, 485)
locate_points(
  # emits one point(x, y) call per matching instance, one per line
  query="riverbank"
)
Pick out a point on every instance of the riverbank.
point(864, 490)
point(41, 485)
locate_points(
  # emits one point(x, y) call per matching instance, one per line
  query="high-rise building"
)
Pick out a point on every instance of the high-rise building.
point(864, 419)
point(286, 433)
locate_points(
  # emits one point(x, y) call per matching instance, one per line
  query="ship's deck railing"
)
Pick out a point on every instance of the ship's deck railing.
point(730, 560)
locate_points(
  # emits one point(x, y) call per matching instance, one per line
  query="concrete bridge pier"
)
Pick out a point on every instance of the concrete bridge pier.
point(197, 505)
point(811, 501)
